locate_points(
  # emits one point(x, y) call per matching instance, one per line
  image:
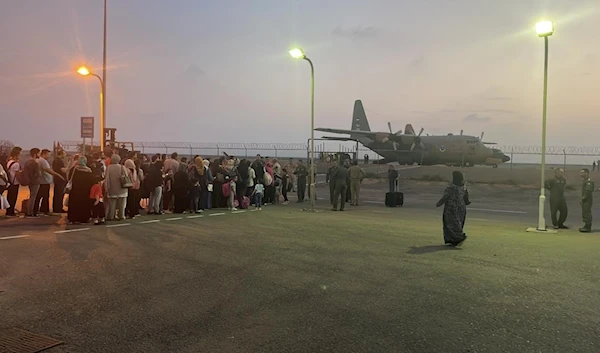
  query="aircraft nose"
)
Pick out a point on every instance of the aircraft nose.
point(505, 158)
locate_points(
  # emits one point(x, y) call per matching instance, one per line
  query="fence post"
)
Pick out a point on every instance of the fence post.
point(275, 147)
point(246, 150)
point(191, 152)
point(166, 149)
point(143, 148)
point(218, 151)
point(565, 159)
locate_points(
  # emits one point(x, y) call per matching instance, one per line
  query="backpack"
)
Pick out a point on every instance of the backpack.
point(245, 203)
point(267, 179)
point(226, 188)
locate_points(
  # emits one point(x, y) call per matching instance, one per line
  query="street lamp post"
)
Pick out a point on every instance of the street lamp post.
point(103, 82)
point(544, 29)
point(84, 71)
point(298, 53)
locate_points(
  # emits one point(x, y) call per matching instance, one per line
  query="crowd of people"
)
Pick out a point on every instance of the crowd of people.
point(106, 186)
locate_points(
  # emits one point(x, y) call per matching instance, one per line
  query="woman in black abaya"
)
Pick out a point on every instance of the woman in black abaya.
point(455, 201)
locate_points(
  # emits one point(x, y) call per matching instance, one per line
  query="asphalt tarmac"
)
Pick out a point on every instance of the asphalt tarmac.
point(370, 279)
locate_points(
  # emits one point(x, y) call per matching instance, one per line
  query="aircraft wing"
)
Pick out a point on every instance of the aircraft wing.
point(347, 132)
point(334, 138)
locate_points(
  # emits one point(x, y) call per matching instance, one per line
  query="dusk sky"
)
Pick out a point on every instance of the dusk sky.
point(219, 70)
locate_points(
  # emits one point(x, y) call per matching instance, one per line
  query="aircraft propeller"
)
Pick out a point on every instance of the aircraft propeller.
point(481, 138)
point(394, 143)
point(417, 140)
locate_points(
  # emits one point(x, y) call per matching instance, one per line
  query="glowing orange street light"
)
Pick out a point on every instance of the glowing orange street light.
point(84, 71)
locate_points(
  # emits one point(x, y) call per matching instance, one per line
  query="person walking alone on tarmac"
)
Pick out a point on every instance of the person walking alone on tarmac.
point(587, 199)
point(340, 179)
point(558, 203)
point(330, 179)
point(392, 178)
point(357, 174)
point(455, 201)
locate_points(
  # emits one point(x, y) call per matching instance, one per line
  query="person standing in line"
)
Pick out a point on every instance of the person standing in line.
point(558, 202)
point(32, 173)
point(340, 179)
point(301, 173)
point(285, 185)
point(455, 201)
point(115, 192)
point(357, 175)
point(392, 178)
point(12, 167)
point(330, 179)
point(46, 178)
point(59, 167)
point(593, 166)
point(258, 193)
point(587, 199)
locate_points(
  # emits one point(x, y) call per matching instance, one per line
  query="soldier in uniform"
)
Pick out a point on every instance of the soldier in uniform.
point(357, 174)
point(330, 179)
point(301, 173)
point(558, 203)
point(340, 179)
point(587, 190)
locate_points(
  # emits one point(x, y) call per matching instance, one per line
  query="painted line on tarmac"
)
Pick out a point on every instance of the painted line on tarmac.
point(150, 221)
point(71, 230)
point(196, 216)
point(241, 211)
point(217, 214)
point(498, 211)
point(174, 219)
point(479, 219)
point(118, 225)
point(14, 237)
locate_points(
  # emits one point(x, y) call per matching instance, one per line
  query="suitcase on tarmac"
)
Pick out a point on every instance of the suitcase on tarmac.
point(394, 198)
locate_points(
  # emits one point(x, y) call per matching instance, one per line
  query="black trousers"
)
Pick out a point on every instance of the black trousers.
point(43, 196)
point(59, 194)
point(12, 196)
point(557, 206)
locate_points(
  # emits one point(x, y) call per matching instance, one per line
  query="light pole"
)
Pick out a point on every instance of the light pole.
point(103, 81)
point(544, 29)
point(84, 71)
point(298, 53)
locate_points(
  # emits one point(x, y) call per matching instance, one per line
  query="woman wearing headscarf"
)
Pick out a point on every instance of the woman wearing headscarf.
point(181, 189)
point(114, 190)
point(133, 195)
point(80, 205)
point(198, 181)
point(153, 183)
point(455, 201)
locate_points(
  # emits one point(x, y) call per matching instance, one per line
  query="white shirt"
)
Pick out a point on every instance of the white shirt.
point(3, 174)
point(251, 177)
point(259, 188)
point(13, 168)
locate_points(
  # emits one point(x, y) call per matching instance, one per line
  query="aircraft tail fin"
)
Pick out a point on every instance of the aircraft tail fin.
point(408, 129)
point(359, 118)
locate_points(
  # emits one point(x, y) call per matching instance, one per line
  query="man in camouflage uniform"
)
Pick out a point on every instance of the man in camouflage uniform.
point(340, 178)
point(330, 179)
point(357, 174)
point(587, 190)
point(301, 173)
point(558, 203)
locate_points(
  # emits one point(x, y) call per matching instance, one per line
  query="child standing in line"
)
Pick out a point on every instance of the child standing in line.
point(285, 185)
point(98, 208)
point(232, 191)
point(258, 193)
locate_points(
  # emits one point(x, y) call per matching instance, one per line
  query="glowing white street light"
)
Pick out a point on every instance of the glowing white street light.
point(298, 53)
point(544, 29)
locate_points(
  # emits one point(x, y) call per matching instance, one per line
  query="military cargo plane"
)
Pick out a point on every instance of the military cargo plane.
point(410, 148)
